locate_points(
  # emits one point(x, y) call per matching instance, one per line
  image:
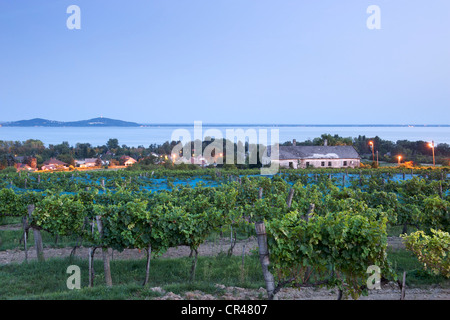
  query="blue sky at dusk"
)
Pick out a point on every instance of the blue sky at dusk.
point(226, 61)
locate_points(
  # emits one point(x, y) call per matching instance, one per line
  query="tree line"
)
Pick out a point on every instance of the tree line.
point(417, 151)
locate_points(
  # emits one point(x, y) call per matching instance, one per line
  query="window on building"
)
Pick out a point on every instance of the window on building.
point(329, 163)
point(307, 164)
point(323, 164)
point(345, 163)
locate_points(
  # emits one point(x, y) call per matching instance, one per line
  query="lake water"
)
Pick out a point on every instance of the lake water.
point(136, 136)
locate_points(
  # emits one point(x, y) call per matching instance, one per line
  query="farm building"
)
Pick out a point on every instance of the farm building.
point(88, 163)
point(127, 160)
point(298, 157)
point(26, 163)
point(23, 167)
point(53, 164)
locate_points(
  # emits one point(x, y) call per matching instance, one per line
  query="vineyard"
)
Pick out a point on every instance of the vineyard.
point(314, 228)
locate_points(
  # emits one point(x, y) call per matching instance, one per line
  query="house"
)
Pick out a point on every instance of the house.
point(199, 160)
point(49, 167)
point(127, 160)
point(87, 163)
point(91, 162)
point(53, 164)
point(26, 163)
point(23, 167)
point(80, 163)
point(297, 157)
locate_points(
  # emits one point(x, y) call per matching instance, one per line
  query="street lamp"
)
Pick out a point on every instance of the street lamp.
point(373, 154)
point(431, 145)
point(399, 159)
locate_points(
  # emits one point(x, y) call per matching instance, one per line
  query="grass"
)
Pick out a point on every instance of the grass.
point(47, 280)
point(416, 275)
point(13, 239)
point(6, 220)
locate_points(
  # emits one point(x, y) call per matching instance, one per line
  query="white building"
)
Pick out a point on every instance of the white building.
point(298, 157)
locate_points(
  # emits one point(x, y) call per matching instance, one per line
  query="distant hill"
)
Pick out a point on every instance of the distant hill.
point(96, 122)
point(37, 122)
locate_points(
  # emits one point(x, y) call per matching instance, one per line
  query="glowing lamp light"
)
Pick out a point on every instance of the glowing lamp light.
point(373, 153)
point(431, 145)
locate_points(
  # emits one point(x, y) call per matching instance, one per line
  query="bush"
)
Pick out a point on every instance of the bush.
point(432, 251)
point(9, 170)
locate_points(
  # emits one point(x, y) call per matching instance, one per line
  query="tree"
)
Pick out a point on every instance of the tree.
point(112, 144)
point(98, 162)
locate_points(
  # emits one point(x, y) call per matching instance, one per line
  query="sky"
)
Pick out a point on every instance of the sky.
point(226, 61)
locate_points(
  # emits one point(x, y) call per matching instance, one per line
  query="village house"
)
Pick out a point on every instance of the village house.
point(26, 163)
point(88, 163)
point(128, 161)
point(53, 164)
point(198, 160)
point(300, 157)
point(23, 167)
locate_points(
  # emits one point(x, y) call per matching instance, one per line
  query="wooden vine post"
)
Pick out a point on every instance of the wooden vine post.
point(25, 236)
point(261, 235)
point(91, 260)
point(194, 263)
point(309, 213)
point(147, 268)
point(91, 267)
point(37, 237)
point(403, 287)
point(106, 264)
point(289, 199)
point(264, 259)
